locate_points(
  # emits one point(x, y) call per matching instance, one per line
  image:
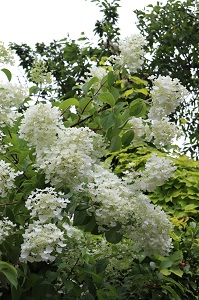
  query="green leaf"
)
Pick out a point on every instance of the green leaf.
point(165, 264)
point(165, 272)
point(68, 102)
point(107, 98)
point(172, 292)
point(86, 87)
point(107, 119)
point(101, 265)
point(127, 137)
point(177, 271)
point(111, 78)
point(10, 273)
point(116, 144)
point(7, 73)
point(137, 108)
point(113, 235)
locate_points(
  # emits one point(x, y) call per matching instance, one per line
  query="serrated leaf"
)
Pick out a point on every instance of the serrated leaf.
point(107, 98)
point(7, 73)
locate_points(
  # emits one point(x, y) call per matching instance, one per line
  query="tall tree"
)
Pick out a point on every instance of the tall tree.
point(172, 32)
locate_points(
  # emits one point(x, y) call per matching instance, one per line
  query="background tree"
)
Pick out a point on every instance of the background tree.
point(172, 32)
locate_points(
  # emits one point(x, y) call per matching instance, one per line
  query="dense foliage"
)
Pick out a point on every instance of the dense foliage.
point(172, 33)
point(85, 175)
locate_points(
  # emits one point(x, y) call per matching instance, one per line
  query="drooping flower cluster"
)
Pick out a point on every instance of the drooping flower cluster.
point(166, 94)
point(7, 178)
point(39, 73)
point(6, 55)
point(65, 155)
point(6, 228)
point(109, 198)
point(160, 132)
point(11, 97)
point(42, 242)
point(115, 202)
point(152, 230)
point(46, 205)
point(157, 170)
point(132, 52)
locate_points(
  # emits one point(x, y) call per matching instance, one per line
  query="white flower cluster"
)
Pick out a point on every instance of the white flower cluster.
point(132, 52)
point(6, 228)
point(11, 97)
point(151, 232)
point(39, 73)
point(40, 125)
point(69, 160)
point(157, 170)
point(109, 198)
point(66, 155)
point(166, 94)
point(113, 202)
point(6, 55)
point(7, 178)
point(3, 146)
point(73, 233)
point(46, 205)
point(42, 242)
point(160, 132)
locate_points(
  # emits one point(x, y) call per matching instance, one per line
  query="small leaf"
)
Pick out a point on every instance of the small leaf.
point(107, 98)
point(86, 87)
point(7, 73)
point(137, 108)
point(68, 102)
point(10, 273)
point(165, 264)
point(127, 137)
point(113, 235)
point(116, 144)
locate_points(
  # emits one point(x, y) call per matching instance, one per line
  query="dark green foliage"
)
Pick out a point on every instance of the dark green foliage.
point(172, 32)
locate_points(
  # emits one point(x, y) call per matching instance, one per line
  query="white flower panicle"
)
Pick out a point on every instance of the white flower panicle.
point(69, 160)
point(98, 72)
point(3, 146)
point(11, 97)
point(40, 125)
point(165, 132)
point(7, 178)
point(157, 170)
point(132, 52)
point(46, 205)
point(39, 73)
point(6, 55)
point(152, 230)
point(159, 132)
point(141, 129)
point(113, 202)
point(166, 94)
point(42, 242)
point(6, 228)
point(76, 235)
point(109, 198)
